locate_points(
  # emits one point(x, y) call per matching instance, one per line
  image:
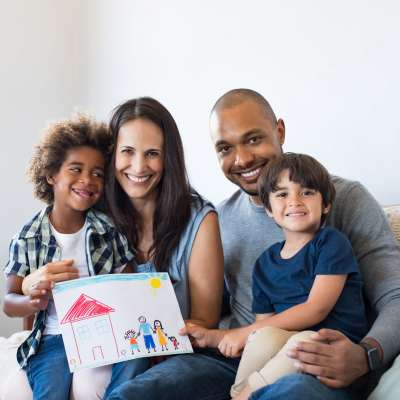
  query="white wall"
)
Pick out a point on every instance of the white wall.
point(39, 82)
point(330, 69)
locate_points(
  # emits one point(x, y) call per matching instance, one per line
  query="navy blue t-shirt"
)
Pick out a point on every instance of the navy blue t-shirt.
point(279, 284)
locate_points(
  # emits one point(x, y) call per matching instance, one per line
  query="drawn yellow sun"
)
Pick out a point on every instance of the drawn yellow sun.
point(155, 283)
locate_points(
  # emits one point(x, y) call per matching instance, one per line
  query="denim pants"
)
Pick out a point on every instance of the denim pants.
point(304, 386)
point(204, 375)
point(126, 370)
point(48, 371)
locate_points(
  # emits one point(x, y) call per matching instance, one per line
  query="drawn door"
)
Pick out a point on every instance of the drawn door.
point(97, 352)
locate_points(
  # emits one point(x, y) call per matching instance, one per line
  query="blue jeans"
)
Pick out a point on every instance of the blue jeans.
point(126, 370)
point(303, 386)
point(48, 371)
point(204, 375)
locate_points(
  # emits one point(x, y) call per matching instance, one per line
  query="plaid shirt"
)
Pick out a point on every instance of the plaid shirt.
point(35, 246)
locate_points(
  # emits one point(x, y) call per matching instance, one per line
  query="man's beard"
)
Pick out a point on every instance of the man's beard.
point(249, 192)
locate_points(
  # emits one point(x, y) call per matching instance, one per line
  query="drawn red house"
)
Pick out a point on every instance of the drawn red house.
point(92, 330)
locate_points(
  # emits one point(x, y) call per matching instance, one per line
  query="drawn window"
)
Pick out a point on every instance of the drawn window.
point(102, 327)
point(84, 332)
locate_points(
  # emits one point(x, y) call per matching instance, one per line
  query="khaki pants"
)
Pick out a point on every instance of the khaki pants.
point(264, 358)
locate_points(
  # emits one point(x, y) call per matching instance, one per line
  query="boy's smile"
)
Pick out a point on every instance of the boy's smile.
point(294, 208)
point(78, 185)
point(83, 193)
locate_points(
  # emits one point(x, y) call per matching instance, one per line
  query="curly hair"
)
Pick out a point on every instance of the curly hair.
point(58, 139)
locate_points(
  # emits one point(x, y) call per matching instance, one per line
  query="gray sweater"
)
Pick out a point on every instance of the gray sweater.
point(247, 231)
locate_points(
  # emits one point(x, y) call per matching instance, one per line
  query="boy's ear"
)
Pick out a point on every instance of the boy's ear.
point(326, 209)
point(50, 180)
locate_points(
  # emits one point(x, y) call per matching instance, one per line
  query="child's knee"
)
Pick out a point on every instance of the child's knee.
point(303, 336)
point(269, 334)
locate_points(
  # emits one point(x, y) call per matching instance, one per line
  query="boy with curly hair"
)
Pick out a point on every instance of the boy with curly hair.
point(67, 171)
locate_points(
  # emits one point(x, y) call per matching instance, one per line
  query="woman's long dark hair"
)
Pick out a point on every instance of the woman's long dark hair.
point(175, 195)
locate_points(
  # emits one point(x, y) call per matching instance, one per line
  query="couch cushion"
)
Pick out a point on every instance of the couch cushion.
point(393, 215)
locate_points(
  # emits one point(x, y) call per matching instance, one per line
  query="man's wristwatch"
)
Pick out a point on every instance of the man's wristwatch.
point(373, 356)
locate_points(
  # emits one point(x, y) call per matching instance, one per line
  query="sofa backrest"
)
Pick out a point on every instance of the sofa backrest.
point(393, 216)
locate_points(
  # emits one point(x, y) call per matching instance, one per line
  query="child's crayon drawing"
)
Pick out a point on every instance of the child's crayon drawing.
point(145, 329)
point(132, 336)
point(161, 335)
point(111, 318)
point(174, 342)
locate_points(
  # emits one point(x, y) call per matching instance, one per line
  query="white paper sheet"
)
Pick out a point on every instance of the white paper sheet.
point(106, 319)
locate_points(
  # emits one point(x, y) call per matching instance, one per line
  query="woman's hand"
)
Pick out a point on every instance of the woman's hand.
point(57, 271)
point(202, 337)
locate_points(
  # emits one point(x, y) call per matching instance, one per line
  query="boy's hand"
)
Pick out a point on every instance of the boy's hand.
point(202, 337)
point(57, 271)
point(40, 294)
point(233, 342)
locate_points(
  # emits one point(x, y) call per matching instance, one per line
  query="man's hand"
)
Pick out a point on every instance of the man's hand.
point(335, 360)
point(202, 337)
point(233, 342)
point(57, 271)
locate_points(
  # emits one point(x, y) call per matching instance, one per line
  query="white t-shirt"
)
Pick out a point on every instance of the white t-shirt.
point(73, 247)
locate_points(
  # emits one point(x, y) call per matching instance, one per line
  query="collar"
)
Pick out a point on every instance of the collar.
point(40, 224)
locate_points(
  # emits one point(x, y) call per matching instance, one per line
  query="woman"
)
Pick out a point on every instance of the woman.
point(167, 223)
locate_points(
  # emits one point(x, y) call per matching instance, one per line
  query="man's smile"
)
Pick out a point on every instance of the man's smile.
point(250, 174)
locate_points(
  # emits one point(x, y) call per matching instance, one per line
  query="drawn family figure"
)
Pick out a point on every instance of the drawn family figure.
point(147, 331)
point(132, 336)
point(161, 335)
point(174, 342)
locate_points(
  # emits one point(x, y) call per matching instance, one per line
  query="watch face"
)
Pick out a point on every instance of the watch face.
point(373, 356)
point(374, 360)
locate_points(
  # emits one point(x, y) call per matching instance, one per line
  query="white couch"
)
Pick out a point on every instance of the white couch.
point(388, 388)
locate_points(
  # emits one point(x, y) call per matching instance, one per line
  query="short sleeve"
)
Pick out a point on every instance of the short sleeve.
point(261, 301)
point(18, 259)
point(335, 254)
point(122, 252)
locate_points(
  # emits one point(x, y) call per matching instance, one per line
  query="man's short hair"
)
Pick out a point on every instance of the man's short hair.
point(237, 96)
point(304, 170)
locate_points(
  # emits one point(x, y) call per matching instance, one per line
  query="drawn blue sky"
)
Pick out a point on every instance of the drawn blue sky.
point(77, 283)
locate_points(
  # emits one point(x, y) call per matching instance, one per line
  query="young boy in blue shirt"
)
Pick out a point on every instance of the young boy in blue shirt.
point(67, 171)
point(309, 281)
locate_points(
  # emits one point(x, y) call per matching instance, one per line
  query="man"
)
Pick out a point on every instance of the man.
point(147, 331)
point(246, 135)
